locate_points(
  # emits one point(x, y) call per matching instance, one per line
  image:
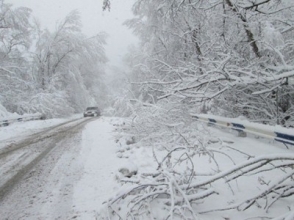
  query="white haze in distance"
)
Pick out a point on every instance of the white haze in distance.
point(94, 20)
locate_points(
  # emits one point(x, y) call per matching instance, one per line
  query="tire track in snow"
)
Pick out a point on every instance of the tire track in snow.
point(54, 136)
point(36, 137)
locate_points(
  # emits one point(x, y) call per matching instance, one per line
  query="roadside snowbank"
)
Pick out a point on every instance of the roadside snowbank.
point(4, 114)
point(100, 163)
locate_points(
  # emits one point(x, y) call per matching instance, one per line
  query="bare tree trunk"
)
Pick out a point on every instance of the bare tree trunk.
point(250, 35)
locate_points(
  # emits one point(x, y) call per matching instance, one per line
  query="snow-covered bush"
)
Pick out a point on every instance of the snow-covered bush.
point(4, 114)
point(50, 104)
point(122, 107)
point(3, 111)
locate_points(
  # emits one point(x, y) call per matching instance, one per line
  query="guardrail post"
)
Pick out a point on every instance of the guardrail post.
point(240, 128)
point(242, 133)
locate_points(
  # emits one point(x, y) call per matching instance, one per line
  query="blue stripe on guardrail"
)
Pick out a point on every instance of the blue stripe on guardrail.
point(211, 121)
point(238, 127)
point(284, 138)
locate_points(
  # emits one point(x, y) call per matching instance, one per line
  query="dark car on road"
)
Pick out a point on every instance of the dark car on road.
point(92, 111)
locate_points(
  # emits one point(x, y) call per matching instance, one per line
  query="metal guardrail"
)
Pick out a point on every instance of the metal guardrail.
point(281, 135)
point(7, 122)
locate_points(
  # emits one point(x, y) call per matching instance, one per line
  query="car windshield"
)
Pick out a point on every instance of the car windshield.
point(92, 108)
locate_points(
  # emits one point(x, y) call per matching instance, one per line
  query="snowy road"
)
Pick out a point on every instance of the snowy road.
point(61, 173)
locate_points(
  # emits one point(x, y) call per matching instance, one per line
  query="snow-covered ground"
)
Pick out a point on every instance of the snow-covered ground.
point(228, 151)
point(81, 174)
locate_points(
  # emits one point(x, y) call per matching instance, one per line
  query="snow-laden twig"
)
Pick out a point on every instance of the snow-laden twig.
point(264, 159)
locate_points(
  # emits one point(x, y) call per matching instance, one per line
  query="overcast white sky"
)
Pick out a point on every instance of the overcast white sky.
point(93, 18)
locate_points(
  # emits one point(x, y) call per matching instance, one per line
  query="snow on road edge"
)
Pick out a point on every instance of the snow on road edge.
point(100, 165)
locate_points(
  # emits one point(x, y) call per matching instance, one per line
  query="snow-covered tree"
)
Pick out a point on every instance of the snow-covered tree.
point(15, 39)
point(67, 69)
point(56, 73)
point(212, 51)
